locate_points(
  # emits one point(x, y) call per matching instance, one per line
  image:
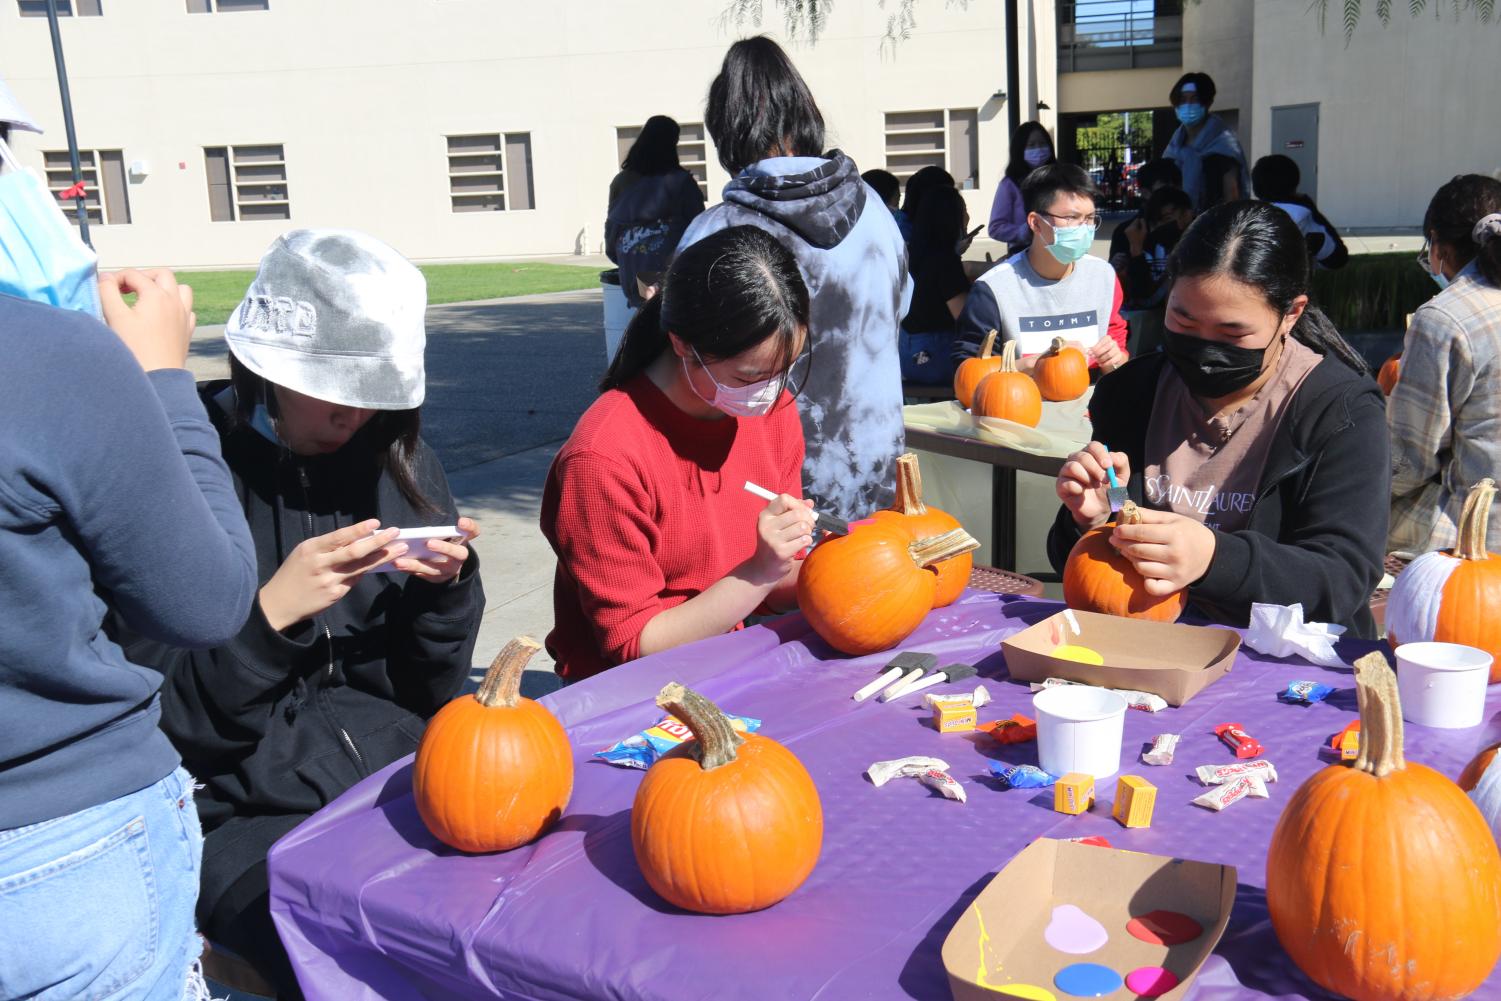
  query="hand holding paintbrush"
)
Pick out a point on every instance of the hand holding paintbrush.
point(1092, 484)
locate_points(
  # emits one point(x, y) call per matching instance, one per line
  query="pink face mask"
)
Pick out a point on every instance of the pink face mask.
point(754, 400)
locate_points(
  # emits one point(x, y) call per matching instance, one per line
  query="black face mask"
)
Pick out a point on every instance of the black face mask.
point(1210, 369)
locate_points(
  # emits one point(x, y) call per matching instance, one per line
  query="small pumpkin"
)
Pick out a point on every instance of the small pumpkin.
point(1062, 373)
point(494, 771)
point(1382, 881)
point(1387, 377)
point(971, 370)
point(1453, 596)
point(1008, 394)
point(866, 591)
point(1097, 578)
point(1481, 779)
point(726, 823)
point(925, 522)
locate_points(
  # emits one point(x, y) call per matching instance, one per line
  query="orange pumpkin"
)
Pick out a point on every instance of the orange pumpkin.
point(726, 823)
point(493, 770)
point(1097, 578)
point(1008, 394)
point(1062, 373)
point(1382, 879)
point(1481, 779)
point(971, 370)
point(925, 522)
point(1471, 588)
point(1387, 377)
point(868, 590)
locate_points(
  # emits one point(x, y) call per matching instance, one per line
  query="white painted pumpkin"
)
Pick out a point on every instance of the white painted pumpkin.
point(1481, 779)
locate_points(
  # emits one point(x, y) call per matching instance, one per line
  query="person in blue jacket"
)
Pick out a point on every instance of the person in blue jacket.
point(652, 201)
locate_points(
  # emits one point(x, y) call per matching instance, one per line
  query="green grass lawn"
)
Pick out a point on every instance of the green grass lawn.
point(215, 293)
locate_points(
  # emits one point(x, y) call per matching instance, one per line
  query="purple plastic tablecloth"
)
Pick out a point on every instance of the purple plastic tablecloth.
point(370, 905)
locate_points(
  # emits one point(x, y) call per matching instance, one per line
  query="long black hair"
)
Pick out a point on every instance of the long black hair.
point(655, 150)
point(921, 183)
point(759, 104)
point(391, 436)
point(1451, 220)
point(1019, 168)
point(1258, 244)
point(723, 296)
point(939, 223)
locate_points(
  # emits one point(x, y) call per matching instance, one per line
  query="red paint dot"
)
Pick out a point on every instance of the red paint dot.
point(1164, 928)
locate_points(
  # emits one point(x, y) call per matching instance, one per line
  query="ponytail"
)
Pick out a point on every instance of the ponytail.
point(644, 339)
point(1317, 331)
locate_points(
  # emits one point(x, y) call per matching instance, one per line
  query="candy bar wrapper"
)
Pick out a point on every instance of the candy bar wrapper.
point(643, 749)
point(1017, 730)
point(1021, 776)
point(979, 697)
point(1213, 775)
point(936, 778)
point(1161, 751)
point(1222, 796)
point(1307, 692)
point(1144, 701)
point(882, 772)
point(1038, 686)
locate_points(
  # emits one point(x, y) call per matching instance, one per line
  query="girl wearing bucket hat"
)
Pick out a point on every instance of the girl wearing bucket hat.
point(339, 667)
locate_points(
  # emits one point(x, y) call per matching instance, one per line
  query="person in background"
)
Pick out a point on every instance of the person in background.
point(940, 288)
point(1446, 407)
point(1252, 442)
point(338, 668)
point(769, 134)
point(920, 183)
point(1153, 176)
point(1053, 288)
point(658, 543)
point(1275, 179)
point(652, 201)
point(889, 190)
point(1204, 147)
point(1031, 147)
point(1150, 239)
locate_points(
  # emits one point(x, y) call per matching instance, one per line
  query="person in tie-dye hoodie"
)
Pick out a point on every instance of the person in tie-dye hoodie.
point(769, 134)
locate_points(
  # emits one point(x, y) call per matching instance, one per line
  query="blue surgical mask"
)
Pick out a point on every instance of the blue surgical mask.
point(1070, 243)
point(1190, 114)
point(1439, 279)
point(41, 257)
point(1036, 156)
point(753, 400)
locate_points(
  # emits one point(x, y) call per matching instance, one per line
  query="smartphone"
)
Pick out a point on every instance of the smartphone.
point(417, 540)
point(971, 234)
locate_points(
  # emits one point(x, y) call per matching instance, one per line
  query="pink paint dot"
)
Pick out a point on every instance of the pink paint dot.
point(1151, 981)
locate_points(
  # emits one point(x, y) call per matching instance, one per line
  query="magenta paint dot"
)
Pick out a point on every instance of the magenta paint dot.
point(1087, 980)
point(1074, 932)
point(1151, 981)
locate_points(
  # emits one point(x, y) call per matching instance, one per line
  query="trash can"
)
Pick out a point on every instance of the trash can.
point(618, 312)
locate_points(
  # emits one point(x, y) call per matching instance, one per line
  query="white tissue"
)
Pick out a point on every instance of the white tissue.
point(1279, 631)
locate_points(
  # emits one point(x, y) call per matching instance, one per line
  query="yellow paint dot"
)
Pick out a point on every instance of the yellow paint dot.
point(1026, 991)
point(1079, 655)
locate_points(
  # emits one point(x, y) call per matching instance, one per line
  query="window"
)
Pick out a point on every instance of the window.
point(104, 193)
point(65, 8)
point(491, 172)
point(246, 183)
point(693, 150)
point(226, 6)
point(947, 139)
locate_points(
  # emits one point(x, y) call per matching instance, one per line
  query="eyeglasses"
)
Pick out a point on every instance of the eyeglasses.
point(1424, 260)
point(1092, 220)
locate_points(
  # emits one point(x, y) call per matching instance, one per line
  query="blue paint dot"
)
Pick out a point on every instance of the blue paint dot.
point(1088, 980)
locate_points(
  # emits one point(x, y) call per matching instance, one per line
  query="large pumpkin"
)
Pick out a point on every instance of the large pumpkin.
point(1387, 377)
point(868, 590)
point(1481, 779)
point(725, 823)
point(971, 370)
point(1062, 373)
point(1455, 596)
point(1008, 394)
point(1382, 880)
point(925, 522)
point(493, 770)
point(1097, 578)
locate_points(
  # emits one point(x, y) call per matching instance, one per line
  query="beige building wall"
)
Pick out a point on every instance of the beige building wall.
point(362, 93)
point(1401, 109)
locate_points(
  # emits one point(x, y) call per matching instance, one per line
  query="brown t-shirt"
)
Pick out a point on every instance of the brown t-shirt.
point(1208, 468)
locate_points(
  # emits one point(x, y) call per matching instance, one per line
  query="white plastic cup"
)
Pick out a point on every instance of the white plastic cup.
point(1079, 730)
point(1442, 685)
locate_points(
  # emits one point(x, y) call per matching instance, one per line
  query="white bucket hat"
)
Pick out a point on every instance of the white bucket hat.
point(12, 114)
point(336, 315)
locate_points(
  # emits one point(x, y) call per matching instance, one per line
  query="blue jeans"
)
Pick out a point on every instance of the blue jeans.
point(926, 358)
point(99, 904)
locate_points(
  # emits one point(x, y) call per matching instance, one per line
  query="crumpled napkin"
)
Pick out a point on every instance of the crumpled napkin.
point(1279, 631)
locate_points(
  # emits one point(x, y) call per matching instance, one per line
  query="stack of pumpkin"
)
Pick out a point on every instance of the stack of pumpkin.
point(992, 387)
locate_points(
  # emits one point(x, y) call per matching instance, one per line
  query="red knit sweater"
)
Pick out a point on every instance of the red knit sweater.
point(646, 507)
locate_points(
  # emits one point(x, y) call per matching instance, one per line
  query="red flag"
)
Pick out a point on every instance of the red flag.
point(76, 191)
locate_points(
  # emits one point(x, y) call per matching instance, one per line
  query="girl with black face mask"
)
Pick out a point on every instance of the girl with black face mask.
point(1260, 459)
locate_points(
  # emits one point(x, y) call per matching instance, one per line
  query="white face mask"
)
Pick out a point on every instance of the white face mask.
point(753, 400)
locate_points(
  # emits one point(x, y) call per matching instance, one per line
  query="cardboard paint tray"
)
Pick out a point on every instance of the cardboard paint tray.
point(1164, 658)
point(998, 942)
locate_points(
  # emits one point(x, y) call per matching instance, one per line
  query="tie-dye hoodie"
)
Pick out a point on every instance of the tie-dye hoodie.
point(852, 256)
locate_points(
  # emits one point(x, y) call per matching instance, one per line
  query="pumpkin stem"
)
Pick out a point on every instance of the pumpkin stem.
point(988, 345)
point(908, 486)
point(1475, 521)
point(1008, 357)
point(956, 542)
point(1130, 514)
point(1057, 346)
point(502, 684)
point(1380, 716)
point(717, 737)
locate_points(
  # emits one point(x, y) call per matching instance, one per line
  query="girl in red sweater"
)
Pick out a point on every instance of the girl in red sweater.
point(658, 542)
